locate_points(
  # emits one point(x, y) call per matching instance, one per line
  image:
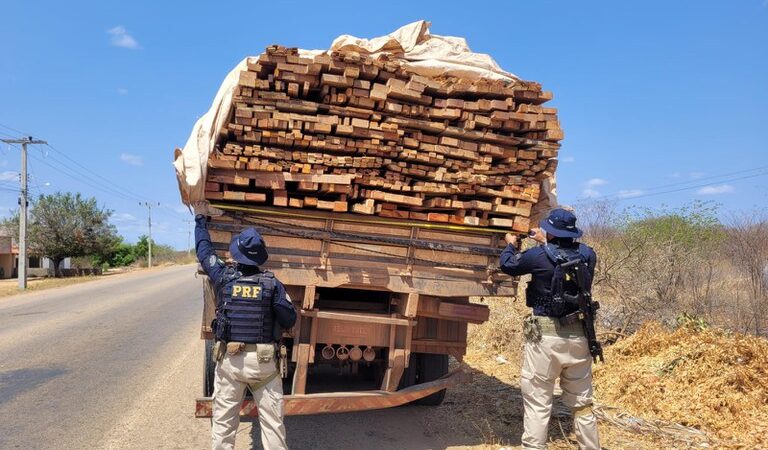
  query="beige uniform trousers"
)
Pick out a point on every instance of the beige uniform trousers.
point(233, 374)
point(543, 362)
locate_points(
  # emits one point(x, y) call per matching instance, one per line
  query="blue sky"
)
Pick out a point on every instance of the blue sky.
point(650, 93)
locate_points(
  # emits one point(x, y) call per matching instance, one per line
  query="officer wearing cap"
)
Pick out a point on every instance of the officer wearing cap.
point(555, 343)
point(249, 300)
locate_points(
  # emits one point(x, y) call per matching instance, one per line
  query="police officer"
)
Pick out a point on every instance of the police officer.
point(249, 300)
point(555, 344)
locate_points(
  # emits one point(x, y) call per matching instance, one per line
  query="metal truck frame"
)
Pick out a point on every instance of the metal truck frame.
point(384, 296)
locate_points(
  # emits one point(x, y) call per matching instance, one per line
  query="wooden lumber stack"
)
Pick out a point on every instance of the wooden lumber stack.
point(348, 133)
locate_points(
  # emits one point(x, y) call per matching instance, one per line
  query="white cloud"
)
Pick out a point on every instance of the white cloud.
point(133, 160)
point(9, 176)
point(121, 38)
point(630, 193)
point(590, 193)
point(589, 189)
point(124, 218)
point(715, 190)
point(596, 182)
point(568, 159)
point(696, 175)
point(122, 91)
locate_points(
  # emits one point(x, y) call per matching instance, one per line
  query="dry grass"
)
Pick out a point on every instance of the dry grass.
point(709, 380)
point(490, 408)
point(11, 287)
point(502, 334)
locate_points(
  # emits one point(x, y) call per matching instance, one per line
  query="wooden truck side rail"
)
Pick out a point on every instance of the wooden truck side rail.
point(368, 290)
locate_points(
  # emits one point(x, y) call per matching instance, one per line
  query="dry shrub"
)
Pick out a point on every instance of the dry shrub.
point(712, 380)
point(502, 333)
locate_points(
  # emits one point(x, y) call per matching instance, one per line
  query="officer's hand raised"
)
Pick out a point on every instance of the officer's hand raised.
point(200, 208)
point(511, 239)
point(538, 235)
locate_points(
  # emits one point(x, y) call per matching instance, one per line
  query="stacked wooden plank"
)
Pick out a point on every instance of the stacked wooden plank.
point(349, 133)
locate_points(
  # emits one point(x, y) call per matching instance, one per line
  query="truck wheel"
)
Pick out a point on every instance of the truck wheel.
point(209, 367)
point(409, 374)
point(430, 367)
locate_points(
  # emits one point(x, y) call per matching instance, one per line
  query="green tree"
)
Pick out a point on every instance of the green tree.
point(141, 249)
point(122, 254)
point(65, 225)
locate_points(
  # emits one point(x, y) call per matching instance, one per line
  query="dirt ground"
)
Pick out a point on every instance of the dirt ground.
point(11, 286)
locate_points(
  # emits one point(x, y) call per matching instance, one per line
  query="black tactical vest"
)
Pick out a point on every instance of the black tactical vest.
point(246, 301)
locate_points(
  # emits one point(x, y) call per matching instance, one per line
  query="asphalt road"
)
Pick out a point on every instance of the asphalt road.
point(116, 363)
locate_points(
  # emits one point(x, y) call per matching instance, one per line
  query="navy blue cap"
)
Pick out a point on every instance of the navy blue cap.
point(249, 248)
point(561, 223)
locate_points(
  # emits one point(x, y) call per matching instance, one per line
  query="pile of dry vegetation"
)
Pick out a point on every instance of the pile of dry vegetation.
point(707, 379)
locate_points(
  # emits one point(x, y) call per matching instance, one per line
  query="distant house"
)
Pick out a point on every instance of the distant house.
point(8, 256)
point(9, 260)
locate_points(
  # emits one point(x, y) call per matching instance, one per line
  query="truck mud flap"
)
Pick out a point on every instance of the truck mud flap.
point(337, 402)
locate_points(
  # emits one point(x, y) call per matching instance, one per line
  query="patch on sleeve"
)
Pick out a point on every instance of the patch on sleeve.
point(518, 256)
point(288, 297)
point(212, 260)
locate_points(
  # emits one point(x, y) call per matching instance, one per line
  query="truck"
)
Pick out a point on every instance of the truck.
point(383, 304)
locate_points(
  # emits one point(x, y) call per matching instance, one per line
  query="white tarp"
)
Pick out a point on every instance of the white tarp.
point(427, 54)
point(424, 53)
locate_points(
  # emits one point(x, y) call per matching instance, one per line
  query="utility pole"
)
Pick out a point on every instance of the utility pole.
point(149, 240)
point(189, 236)
point(23, 203)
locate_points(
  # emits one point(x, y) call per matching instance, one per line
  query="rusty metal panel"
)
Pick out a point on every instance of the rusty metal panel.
point(338, 402)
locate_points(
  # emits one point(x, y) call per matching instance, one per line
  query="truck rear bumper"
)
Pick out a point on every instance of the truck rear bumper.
point(337, 402)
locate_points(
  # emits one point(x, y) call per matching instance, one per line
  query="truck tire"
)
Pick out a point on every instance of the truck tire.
point(409, 374)
point(430, 367)
point(209, 367)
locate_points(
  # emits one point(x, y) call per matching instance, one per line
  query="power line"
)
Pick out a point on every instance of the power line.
point(651, 194)
point(711, 177)
point(95, 178)
point(8, 135)
point(14, 130)
point(79, 178)
point(111, 184)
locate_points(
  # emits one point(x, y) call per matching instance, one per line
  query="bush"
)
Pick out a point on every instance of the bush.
point(659, 264)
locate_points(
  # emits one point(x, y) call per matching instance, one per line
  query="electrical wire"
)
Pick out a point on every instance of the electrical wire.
point(699, 180)
point(616, 197)
point(7, 135)
point(93, 174)
point(110, 183)
point(14, 130)
point(77, 177)
point(97, 180)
